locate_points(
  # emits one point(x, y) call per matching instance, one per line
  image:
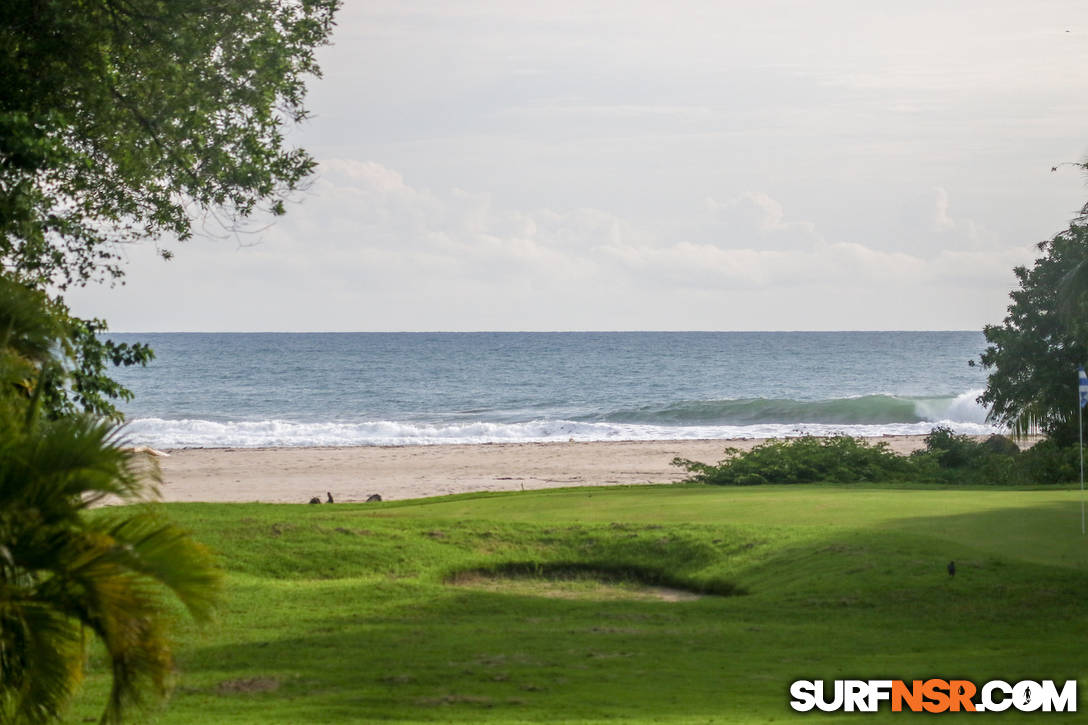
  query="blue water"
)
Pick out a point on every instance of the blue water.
point(266, 389)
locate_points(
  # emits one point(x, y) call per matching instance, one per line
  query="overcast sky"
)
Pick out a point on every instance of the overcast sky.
point(725, 165)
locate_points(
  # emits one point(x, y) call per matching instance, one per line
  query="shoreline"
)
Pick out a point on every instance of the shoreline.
point(353, 473)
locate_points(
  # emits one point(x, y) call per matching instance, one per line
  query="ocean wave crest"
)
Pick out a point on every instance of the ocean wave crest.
point(860, 410)
point(160, 433)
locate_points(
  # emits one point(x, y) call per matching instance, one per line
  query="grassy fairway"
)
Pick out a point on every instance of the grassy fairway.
point(343, 613)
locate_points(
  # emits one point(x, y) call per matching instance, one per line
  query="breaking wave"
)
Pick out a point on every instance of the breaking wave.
point(862, 410)
point(873, 415)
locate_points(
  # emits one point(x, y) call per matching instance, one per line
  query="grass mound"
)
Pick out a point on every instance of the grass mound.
point(345, 614)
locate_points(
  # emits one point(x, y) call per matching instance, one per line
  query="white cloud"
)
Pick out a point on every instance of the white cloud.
point(755, 219)
point(833, 268)
point(965, 229)
point(368, 250)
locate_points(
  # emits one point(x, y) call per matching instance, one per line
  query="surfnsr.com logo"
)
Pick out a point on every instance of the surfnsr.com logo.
point(933, 695)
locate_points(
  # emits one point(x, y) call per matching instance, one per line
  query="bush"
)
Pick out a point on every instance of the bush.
point(1049, 462)
point(947, 458)
point(950, 450)
point(999, 445)
point(802, 460)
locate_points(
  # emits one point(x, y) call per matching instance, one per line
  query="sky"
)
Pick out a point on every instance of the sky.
point(741, 165)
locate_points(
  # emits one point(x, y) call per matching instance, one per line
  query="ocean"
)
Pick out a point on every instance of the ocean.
point(361, 389)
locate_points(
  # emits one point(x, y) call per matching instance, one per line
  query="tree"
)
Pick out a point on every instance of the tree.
point(62, 571)
point(120, 121)
point(79, 385)
point(127, 120)
point(1034, 353)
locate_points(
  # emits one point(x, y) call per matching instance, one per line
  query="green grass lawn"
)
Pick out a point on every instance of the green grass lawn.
point(346, 613)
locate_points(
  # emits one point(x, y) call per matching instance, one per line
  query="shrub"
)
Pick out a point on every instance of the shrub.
point(750, 479)
point(999, 445)
point(950, 450)
point(1049, 462)
point(802, 460)
point(947, 458)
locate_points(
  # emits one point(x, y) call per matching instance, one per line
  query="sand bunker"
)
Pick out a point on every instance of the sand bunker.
point(573, 589)
point(572, 581)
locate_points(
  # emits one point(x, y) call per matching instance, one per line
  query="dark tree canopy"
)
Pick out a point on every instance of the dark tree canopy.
point(123, 120)
point(1034, 353)
point(130, 120)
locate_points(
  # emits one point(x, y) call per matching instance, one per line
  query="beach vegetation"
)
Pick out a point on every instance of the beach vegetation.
point(1033, 355)
point(960, 460)
point(948, 458)
point(138, 121)
point(805, 459)
point(540, 607)
point(950, 450)
point(65, 574)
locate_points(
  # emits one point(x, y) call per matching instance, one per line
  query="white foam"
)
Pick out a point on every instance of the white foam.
point(964, 408)
point(160, 433)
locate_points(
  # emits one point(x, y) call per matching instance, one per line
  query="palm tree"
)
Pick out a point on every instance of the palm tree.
point(64, 570)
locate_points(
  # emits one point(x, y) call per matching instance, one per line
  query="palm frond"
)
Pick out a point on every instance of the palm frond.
point(65, 570)
point(40, 661)
point(159, 550)
point(123, 609)
point(73, 458)
point(108, 572)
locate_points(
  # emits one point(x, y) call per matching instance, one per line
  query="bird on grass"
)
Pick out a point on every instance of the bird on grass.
point(329, 494)
point(951, 568)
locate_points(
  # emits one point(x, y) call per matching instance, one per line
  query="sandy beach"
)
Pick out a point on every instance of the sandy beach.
point(294, 475)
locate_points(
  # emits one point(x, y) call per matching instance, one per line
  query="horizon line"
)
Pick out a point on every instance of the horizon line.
point(512, 332)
